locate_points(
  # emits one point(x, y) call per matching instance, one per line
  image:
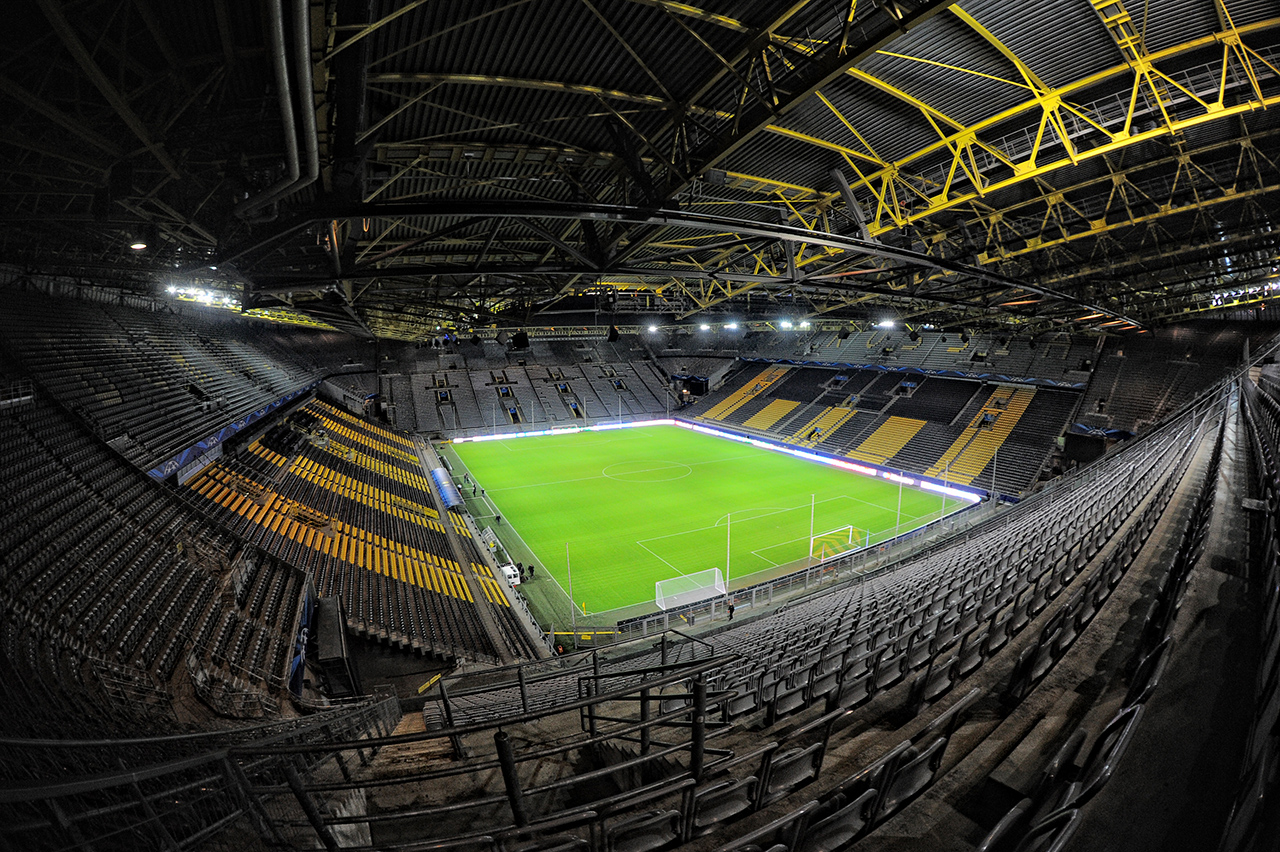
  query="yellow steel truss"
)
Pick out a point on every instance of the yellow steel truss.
point(893, 185)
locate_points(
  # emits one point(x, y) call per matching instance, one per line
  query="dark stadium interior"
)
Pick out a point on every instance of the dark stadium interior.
point(261, 260)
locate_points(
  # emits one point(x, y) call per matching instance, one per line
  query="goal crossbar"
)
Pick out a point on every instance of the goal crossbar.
point(834, 542)
point(689, 588)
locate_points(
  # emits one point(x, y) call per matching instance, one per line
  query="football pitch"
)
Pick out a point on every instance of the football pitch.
point(635, 506)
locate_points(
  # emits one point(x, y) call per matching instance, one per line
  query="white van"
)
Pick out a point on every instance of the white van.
point(509, 571)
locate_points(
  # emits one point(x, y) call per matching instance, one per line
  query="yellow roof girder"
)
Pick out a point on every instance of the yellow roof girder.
point(709, 293)
point(887, 182)
point(1030, 168)
point(1032, 80)
point(1102, 226)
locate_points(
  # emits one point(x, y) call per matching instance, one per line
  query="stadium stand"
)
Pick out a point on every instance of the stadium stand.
point(981, 439)
point(837, 757)
point(346, 500)
point(888, 438)
point(766, 417)
point(803, 385)
point(814, 725)
point(826, 422)
point(1140, 380)
point(1252, 821)
point(936, 400)
point(121, 605)
point(751, 388)
point(904, 421)
point(153, 384)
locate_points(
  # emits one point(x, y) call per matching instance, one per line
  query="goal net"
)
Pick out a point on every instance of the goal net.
point(834, 542)
point(687, 589)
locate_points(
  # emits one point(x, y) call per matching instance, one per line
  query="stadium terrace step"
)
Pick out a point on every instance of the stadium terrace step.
point(977, 446)
point(829, 420)
point(771, 414)
point(887, 440)
point(994, 405)
point(746, 393)
point(359, 515)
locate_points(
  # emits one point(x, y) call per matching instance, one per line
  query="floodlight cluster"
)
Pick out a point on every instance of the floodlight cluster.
point(204, 297)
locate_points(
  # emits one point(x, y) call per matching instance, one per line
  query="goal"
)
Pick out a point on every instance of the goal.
point(835, 542)
point(689, 588)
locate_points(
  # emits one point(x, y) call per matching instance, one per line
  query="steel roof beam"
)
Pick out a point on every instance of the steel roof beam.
point(885, 23)
point(66, 122)
point(676, 219)
point(884, 184)
point(53, 11)
point(1032, 166)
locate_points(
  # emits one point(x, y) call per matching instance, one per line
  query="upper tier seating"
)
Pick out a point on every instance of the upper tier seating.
point(152, 383)
point(1140, 380)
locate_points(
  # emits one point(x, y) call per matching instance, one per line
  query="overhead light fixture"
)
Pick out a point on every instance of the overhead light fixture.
point(786, 324)
point(804, 324)
point(732, 326)
point(653, 328)
point(885, 324)
point(145, 235)
point(704, 327)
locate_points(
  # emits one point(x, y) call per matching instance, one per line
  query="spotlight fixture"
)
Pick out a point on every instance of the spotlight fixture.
point(144, 236)
point(885, 324)
point(653, 328)
point(732, 326)
point(704, 327)
point(786, 324)
point(804, 324)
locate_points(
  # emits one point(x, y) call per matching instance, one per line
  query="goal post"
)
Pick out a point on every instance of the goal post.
point(689, 588)
point(835, 542)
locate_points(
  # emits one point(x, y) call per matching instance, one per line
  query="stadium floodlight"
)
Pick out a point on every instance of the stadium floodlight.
point(704, 327)
point(885, 324)
point(653, 328)
point(804, 324)
point(786, 323)
point(732, 326)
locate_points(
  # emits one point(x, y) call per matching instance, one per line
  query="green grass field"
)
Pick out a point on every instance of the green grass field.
point(640, 505)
